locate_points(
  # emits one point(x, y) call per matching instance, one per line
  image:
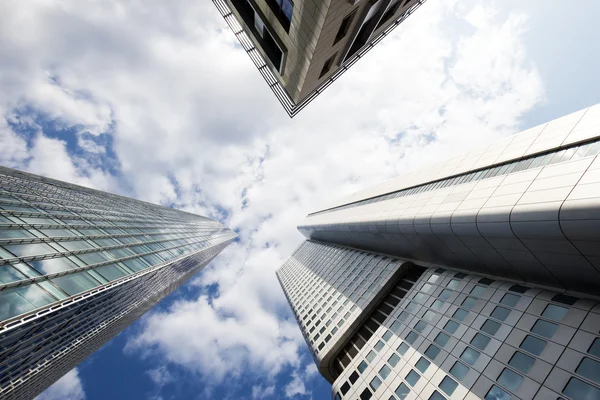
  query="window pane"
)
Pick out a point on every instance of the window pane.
point(10, 274)
point(496, 393)
point(555, 313)
point(460, 314)
point(595, 348)
point(448, 385)
point(442, 339)
point(510, 299)
point(422, 364)
point(411, 337)
point(75, 283)
point(451, 326)
point(470, 356)
point(533, 345)
point(371, 356)
point(589, 369)
point(402, 391)
point(412, 378)
point(577, 389)
point(510, 380)
point(53, 265)
point(478, 291)
point(469, 302)
point(393, 360)
point(110, 272)
point(500, 313)
point(490, 327)
point(402, 348)
point(436, 396)
point(20, 300)
point(384, 371)
point(544, 328)
point(480, 341)
point(31, 249)
point(432, 351)
point(375, 383)
point(459, 370)
point(522, 362)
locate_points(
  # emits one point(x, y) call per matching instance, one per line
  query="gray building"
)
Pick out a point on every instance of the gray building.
point(77, 266)
point(476, 278)
point(301, 46)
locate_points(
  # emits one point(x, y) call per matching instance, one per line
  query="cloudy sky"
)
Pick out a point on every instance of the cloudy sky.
point(153, 99)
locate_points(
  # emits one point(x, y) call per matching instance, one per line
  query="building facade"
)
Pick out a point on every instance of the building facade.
point(301, 46)
point(77, 266)
point(477, 278)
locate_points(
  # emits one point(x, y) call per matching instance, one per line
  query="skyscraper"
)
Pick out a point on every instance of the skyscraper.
point(77, 266)
point(476, 278)
point(301, 46)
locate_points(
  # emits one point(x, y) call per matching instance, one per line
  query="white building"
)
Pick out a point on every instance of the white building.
point(476, 278)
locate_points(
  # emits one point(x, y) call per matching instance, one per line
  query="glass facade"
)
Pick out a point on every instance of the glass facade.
point(77, 266)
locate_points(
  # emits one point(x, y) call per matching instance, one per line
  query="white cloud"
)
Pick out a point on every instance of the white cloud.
point(68, 387)
point(193, 124)
point(261, 392)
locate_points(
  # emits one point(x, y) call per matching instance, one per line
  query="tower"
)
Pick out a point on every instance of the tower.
point(474, 278)
point(77, 266)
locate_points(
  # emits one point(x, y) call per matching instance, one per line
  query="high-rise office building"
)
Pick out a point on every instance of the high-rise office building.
point(301, 46)
point(77, 266)
point(476, 278)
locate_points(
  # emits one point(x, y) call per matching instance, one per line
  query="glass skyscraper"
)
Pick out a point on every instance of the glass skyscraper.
point(476, 278)
point(77, 266)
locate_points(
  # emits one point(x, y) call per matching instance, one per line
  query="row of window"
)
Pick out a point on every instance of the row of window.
point(553, 157)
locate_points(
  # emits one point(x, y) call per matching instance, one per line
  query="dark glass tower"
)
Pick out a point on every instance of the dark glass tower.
point(77, 266)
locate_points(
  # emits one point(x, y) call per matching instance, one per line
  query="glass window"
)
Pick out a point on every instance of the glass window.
point(522, 362)
point(510, 299)
point(393, 360)
point(469, 302)
point(510, 380)
point(75, 283)
point(441, 339)
point(500, 313)
point(459, 371)
point(544, 328)
point(111, 272)
point(402, 391)
point(94, 258)
point(451, 326)
point(384, 372)
point(422, 364)
point(30, 249)
point(478, 291)
point(387, 335)
point(436, 396)
point(429, 316)
point(445, 295)
point(345, 387)
point(371, 356)
point(460, 314)
point(375, 383)
point(496, 393)
point(420, 326)
point(556, 313)
point(14, 233)
point(577, 389)
point(353, 377)
point(480, 341)
point(437, 305)
point(10, 274)
point(412, 378)
point(490, 327)
point(136, 264)
point(533, 345)
point(470, 356)
point(402, 348)
point(379, 345)
point(362, 366)
point(432, 351)
point(20, 300)
point(411, 337)
point(453, 284)
point(53, 265)
point(448, 385)
point(595, 348)
point(589, 369)
point(565, 299)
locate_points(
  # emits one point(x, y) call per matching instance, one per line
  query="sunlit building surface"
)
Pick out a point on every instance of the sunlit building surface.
point(477, 278)
point(77, 266)
point(301, 46)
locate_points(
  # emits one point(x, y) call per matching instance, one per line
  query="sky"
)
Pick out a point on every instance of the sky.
point(155, 100)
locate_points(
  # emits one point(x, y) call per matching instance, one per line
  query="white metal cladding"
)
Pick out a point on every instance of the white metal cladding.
point(465, 337)
point(539, 226)
point(77, 266)
point(576, 127)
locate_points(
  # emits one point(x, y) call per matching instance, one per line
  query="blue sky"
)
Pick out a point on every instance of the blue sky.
point(156, 101)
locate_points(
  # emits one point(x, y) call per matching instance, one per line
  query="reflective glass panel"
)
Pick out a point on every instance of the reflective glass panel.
point(510, 380)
